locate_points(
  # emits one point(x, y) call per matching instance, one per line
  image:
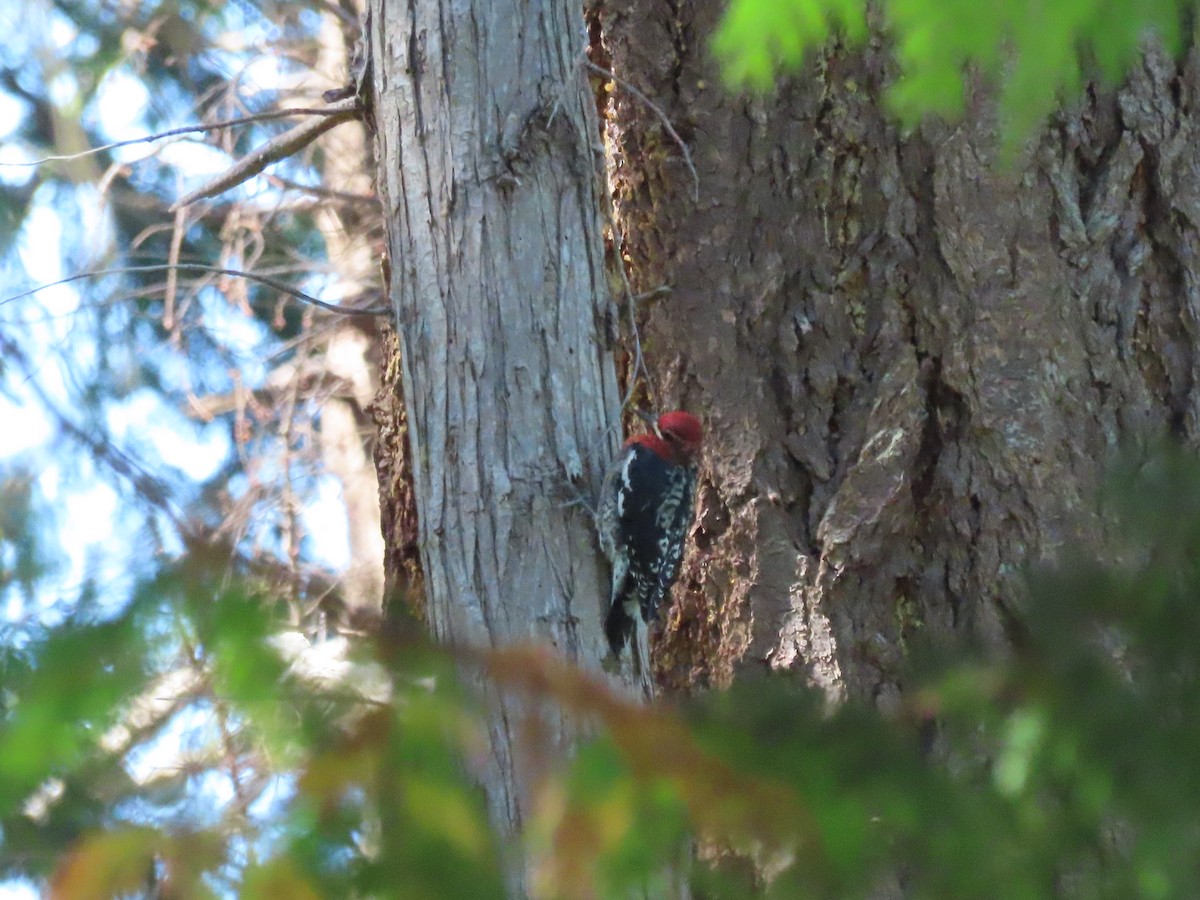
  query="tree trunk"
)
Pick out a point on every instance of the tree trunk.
point(351, 345)
point(488, 178)
point(914, 364)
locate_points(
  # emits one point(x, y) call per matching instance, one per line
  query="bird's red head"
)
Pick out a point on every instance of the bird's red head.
point(677, 437)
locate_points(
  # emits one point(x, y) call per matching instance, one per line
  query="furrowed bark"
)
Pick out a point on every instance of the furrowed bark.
point(915, 363)
point(488, 177)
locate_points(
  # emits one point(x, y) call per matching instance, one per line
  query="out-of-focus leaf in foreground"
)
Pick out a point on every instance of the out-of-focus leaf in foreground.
point(1037, 54)
point(1064, 767)
point(68, 691)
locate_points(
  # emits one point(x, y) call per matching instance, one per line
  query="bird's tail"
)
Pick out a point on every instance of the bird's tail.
point(619, 626)
point(623, 627)
point(642, 672)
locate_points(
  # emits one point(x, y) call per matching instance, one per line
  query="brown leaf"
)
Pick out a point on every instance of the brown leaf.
point(107, 864)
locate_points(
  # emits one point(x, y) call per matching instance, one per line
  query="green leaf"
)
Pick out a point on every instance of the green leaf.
point(1036, 53)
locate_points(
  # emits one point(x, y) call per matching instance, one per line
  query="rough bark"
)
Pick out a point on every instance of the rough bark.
point(488, 177)
point(404, 586)
point(914, 364)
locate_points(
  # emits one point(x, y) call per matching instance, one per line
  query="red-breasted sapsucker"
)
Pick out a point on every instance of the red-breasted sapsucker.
point(644, 516)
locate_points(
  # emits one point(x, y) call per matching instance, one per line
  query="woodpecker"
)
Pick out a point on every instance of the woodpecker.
point(644, 516)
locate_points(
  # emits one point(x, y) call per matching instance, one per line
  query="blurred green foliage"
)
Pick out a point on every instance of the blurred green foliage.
point(24, 558)
point(1066, 768)
point(1038, 53)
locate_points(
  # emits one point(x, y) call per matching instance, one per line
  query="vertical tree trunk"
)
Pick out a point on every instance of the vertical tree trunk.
point(914, 363)
point(488, 177)
point(351, 345)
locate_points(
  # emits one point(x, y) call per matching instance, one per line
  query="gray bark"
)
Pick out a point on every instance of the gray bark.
point(488, 178)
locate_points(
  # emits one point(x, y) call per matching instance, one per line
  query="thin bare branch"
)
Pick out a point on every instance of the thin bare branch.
point(212, 270)
point(186, 129)
point(147, 711)
point(168, 318)
point(154, 491)
point(657, 110)
point(277, 148)
point(317, 190)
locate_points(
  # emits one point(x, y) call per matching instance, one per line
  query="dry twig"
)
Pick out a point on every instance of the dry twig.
point(657, 110)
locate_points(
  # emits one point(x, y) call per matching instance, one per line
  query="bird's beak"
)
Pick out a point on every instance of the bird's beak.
point(649, 418)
